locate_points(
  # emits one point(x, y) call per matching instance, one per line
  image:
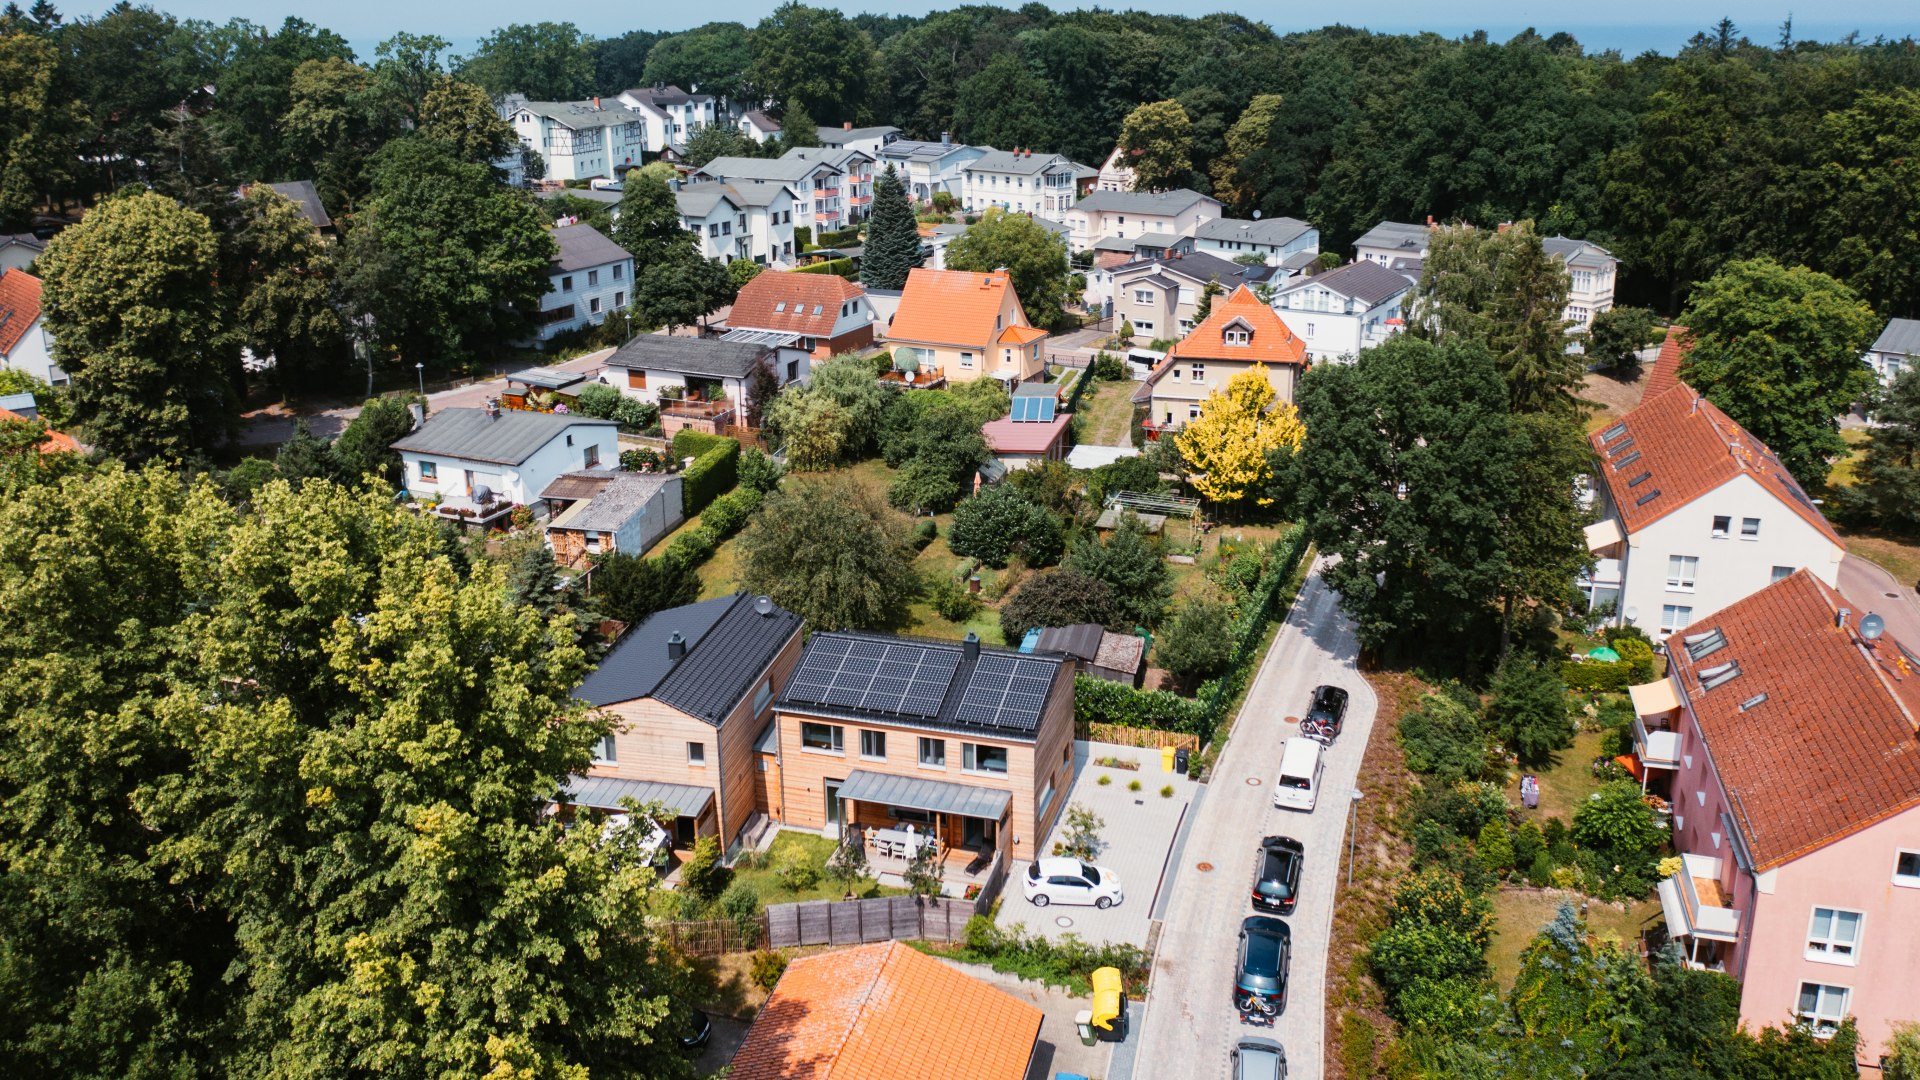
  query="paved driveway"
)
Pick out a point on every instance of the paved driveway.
point(1869, 588)
point(1140, 827)
point(1190, 1021)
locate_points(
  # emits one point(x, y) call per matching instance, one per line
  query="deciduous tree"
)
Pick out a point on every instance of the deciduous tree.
point(999, 523)
point(1034, 257)
point(1238, 427)
point(1158, 141)
point(462, 116)
point(545, 61)
point(1247, 134)
point(831, 552)
point(1500, 288)
point(716, 57)
point(1132, 564)
point(286, 308)
point(1198, 642)
point(1058, 597)
point(1617, 336)
point(815, 56)
point(1889, 476)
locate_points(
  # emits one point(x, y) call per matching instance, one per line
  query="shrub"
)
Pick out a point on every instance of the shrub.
point(923, 486)
point(1357, 1038)
point(796, 871)
point(703, 875)
point(729, 512)
point(630, 588)
point(644, 459)
point(999, 523)
point(1107, 366)
point(1495, 847)
point(1528, 844)
point(1529, 709)
point(691, 548)
point(714, 471)
point(1199, 642)
point(1081, 838)
point(1540, 870)
point(1411, 951)
point(1057, 598)
point(1440, 1005)
point(758, 471)
point(741, 902)
point(1617, 823)
point(634, 414)
point(1098, 701)
point(1442, 738)
point(924, 533)
point(952, 601)
point(1167, 792)
point(766, 967)
point(1133, 785)
point(597, 400)
point(1104, 780)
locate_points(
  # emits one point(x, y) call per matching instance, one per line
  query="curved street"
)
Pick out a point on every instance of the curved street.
point(1190, 1023)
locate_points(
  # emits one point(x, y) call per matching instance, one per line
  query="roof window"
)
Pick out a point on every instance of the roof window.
point(1628, 460)
point(1701, 646)
point(1608, 436)
point(1620, 449)
point(1641, 479)
point(1754, 702)
point(1719, 674)
point(781, 306)
point(1647, 498)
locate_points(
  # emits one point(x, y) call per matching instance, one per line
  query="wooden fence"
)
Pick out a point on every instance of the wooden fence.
point(1149, 738)
point(855, 922)
point(713, 937)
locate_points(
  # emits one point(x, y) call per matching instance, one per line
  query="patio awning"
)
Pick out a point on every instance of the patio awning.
point(1654, 698)
point(605, 793)
point(1603, 533)
point(917, 793)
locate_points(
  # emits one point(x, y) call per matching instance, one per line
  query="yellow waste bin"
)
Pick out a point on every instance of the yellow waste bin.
point(1166, 759)
point(1106, 1000)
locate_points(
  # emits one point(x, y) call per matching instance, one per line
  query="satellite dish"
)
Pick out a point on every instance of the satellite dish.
point(764, 605)
point(1256, 215)
point(1872, 627)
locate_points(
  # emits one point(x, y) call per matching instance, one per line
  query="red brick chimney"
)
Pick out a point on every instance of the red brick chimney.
point(596, 101)
point(846, 125)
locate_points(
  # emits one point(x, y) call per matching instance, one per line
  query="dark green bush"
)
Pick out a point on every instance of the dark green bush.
point(730, 512)
point(924, 533)
point(715, 468)
point(758, 471)
point(691, 548)
point(1098, 701)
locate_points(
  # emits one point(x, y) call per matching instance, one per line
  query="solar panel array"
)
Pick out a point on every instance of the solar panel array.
point(875, 676)
point(1006, 692)
point(1032, 409)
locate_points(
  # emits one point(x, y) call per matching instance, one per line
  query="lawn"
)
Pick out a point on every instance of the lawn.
point(1565, 783)
point(1109, 415)
point(817, 849)
point(1520, 913)
point(1841, 474)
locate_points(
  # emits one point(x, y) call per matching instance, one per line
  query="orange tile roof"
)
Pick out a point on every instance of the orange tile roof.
point(19, 306)
point(952, 307)
point(1021, 335)
point(1665, 371)
point(782, 300)
point(1831, 748)
point(1687, 448)
point(55, 442)
point(886, 1012)
point(1273, 341)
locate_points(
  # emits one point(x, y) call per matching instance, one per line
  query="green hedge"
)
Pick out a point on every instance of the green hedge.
point(838, 237)
point(715, 468)
point(693, 547)
point(843, 267)
point(1098, 701)
point(729, 513)
point(1597, 676)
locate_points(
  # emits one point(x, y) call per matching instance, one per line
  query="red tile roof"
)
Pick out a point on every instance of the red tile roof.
point(19, 306)
point(886, 1012)
point(952, 307)
point(1831, 748)
point(55, 442)
point(782, 300)
point(1009, 436)
point(1273, 341)
point(1665, 371)
point(1687, 448)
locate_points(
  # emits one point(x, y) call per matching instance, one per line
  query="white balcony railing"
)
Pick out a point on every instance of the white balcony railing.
point(1708, 916)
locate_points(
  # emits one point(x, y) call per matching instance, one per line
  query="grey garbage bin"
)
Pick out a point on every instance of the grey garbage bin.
point(1083, 1023)
point(1180, 760)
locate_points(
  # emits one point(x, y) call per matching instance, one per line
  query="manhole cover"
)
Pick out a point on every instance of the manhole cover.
point(1893, 596)
point(1062, 921)
point(1293, 720)
point(1204, 867)
point(1253, 781)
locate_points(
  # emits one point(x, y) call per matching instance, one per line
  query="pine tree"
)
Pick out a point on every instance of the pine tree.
point(1205, 307)
point(797, 128)
point(893, 236)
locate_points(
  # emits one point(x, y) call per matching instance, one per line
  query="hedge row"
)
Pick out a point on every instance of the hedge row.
point(725, 516)
point(838, 237)
point(843, 267)
point(715, 468)
point(1634, 667)
point(1098, 701)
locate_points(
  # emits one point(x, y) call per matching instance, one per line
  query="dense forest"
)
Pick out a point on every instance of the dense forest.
point(1732, 148)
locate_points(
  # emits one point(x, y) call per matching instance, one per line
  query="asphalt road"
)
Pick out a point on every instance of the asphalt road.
point(1190, 1023)
point(1867, 588)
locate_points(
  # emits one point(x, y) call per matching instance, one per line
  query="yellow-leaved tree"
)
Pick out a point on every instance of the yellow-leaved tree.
point(1229, 443)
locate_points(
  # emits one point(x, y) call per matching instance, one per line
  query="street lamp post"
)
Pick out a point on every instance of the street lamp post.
point(1353, 822)
point(420, 370)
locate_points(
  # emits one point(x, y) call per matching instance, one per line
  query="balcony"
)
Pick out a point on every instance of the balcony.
point(1656, 749)
point(929, 377)
point(826, 193)
point(1697, 907)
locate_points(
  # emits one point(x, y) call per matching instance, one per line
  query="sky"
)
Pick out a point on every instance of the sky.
point(1631, 26)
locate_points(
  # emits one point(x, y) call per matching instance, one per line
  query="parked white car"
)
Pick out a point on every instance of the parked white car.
point(1070, 881)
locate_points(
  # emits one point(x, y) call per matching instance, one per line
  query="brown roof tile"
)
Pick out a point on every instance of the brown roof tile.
point(54, 442)
point(1687, 448)
point(886, 1012)
point(782, 300)
point(1831, 748)
point(951, 307)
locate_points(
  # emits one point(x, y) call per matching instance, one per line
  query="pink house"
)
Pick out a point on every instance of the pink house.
point(1785, 738)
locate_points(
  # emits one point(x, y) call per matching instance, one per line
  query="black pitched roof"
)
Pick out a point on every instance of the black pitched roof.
point(689, 356)
point(729, 643)
point(920, 683)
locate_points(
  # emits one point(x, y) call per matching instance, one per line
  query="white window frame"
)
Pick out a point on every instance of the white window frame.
point(970, 756)
point(1780, 573)
point(762, 696)
point(1722, 531)
point(837, 738)
point(606, 752)
point(1749, 528)
point(1675, 616)
point(696, 754)
point(1829, 947)
point(1683, 572)
point(1046, 799)
point(937, 759)
point(1199, 372)
point(873, 745)
point(1819, 1022)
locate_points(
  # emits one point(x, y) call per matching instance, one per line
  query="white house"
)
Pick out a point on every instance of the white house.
point(25, 344)
point(1892, 353)
point(601, 511)
point(927, 168)
point(589, 277)
point(579, 139)
point(673, 114)
point(1391, 240)
point(1273, 239)
point(758, 126)
point(1340, 312)
point(1115, 174)
point(697, 382)
point(850, 194)
point(1126, 215)
point(747, 219)
point(867, 140)
point(1695, 513)
point(18, 250)
point(1590, 270)
point(816, 182)
point(1020, 181)
point(511, 453)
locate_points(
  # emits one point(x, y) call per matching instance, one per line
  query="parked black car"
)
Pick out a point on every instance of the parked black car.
point(693, 1037)
point(1260, 975)
point(1276, 882)
point(1325, 714)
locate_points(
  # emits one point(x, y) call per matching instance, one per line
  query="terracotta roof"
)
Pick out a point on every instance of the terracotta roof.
point(54, 442)
point(1273, 342)
point(1678, 446)
point(780, 300)
point(1665, 371)
point(951, 307)
point(19, 306)
point(1021, 335)
point(886, 1012)
point(1813, 739)
point(1009, 436)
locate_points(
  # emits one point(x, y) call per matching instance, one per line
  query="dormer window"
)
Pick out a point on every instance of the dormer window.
point(1239, 337)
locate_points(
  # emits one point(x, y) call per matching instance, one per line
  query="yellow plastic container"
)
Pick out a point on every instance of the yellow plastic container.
point(1166, 759)
point(1106, 997)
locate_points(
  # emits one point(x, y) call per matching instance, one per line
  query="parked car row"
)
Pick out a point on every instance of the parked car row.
point(1266, 942)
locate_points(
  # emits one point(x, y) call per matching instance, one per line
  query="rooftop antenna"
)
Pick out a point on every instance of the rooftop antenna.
point(1872, 627)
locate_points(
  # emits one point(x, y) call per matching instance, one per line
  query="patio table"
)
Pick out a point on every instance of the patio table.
point(901, 843)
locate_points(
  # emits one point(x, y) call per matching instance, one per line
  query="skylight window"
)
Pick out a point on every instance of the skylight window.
point(1719, 675)
point(1647, 498)
point(1753, 702)
point(1612, 433)
point(1628, 441)
point(781, 306)
point(1641, 479)
point(1628, 460)
point(1701, 646)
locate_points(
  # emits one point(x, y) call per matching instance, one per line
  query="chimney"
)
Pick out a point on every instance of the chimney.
point(970, 646)
point(596, 101)
point(676, 646)
point(946, 138)
point(846, 125)
point(1840, 617)
point(1429, 221)
point(493, 408)
point(419, 413)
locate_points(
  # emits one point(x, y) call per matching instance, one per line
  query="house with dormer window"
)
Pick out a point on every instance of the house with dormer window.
point(964, 324)
point(1239, 334)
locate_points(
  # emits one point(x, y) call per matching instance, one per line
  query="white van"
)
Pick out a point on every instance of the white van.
point(1300, 768)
